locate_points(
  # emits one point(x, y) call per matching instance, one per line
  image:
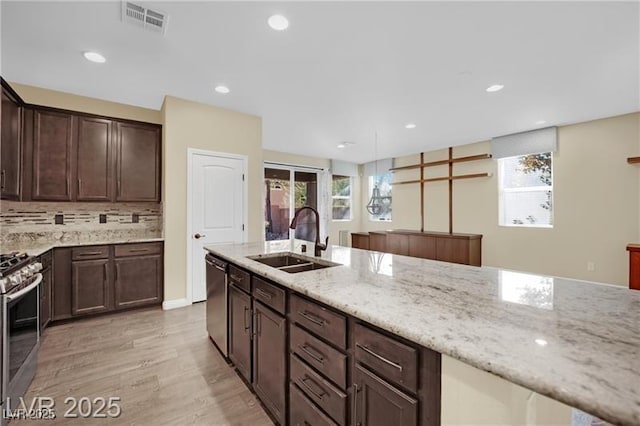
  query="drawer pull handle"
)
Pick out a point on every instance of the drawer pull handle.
point(140, 250)
point(235, 278)
point(318, 394)
point(90, 253)
point(312, 352)
point(264, 294)
point(380, 357)
point(313, 318)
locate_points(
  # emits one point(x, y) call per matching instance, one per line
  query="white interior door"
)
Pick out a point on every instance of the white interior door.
point(217, 210)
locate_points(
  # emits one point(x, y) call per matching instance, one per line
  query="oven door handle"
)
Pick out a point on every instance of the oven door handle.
point(27, 289)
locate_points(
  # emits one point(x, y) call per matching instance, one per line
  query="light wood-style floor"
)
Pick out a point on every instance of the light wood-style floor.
point(160, 363)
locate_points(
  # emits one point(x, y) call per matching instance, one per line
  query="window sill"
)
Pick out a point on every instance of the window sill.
point(526, 226)
point(341, 220)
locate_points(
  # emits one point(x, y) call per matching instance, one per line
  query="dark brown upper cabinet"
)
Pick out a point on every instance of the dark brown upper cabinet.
point(94, 162)
point(137, 162)
point(10, 145)
point(52, 156)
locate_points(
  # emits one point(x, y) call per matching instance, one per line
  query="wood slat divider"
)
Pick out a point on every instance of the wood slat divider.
point(443, 162)
point(630, 160)
point(447, 178)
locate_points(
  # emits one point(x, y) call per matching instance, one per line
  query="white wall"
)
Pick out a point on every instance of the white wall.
point(596, 204)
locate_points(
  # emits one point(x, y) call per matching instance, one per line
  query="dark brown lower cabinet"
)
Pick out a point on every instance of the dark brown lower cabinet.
point(240, 331)
point(269, 360)
point(137, 280)
point(90, 287)
point(379, 403)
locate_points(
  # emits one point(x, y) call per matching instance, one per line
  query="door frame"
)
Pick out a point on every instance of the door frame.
point(191, 152)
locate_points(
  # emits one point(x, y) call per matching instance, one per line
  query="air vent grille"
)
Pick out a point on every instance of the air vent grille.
point(142, 17)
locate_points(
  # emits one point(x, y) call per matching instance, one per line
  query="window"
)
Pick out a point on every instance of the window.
point(526, 190)
point(384, 184)
point(341, 197)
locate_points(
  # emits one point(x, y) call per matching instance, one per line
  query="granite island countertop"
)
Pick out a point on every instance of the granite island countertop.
point(574, 341)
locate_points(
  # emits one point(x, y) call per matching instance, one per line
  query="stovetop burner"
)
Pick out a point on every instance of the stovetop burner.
point(12, 261)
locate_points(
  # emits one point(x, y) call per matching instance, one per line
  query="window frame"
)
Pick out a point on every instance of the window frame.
point(540, 188)
point(343, 197)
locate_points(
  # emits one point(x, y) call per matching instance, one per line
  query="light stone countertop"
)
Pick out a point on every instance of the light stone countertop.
point(574, 341)
point(40, 247)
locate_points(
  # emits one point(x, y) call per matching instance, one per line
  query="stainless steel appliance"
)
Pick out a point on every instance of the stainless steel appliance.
point(217, 302)
point(19, 323)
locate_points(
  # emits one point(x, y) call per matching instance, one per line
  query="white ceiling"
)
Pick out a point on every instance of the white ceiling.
point(345, 70)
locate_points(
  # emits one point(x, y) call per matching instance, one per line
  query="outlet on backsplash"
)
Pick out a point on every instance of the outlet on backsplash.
point(135, 218)
point(102, 218)
point(59, 219)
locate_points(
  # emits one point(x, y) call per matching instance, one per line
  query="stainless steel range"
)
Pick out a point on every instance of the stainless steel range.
point(19, 322)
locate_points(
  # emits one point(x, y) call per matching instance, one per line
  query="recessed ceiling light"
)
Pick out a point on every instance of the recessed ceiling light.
point(341, 145)
point(495, 88)
point(278, 22)
point(95, 57)
point(410, 126)
point(541, 342)
point(222, 89)
point(539, 122)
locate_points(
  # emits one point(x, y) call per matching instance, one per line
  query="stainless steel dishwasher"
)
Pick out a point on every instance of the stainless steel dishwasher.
point(217, 302)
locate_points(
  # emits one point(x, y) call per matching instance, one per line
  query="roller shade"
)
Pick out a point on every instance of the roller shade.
point(383, 167)
point(344, 168)
point(525, 143)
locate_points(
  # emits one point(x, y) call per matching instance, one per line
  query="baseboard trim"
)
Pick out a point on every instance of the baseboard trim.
point(174, 304)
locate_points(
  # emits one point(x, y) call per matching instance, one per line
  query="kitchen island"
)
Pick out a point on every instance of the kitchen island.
point(573, 341)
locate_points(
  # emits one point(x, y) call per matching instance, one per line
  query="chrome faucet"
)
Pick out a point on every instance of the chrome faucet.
point(318, 245)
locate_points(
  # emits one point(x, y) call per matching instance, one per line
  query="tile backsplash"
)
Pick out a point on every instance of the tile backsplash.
point(39, 218)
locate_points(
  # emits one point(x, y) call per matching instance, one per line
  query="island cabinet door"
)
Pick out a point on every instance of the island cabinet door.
point(377, 403)
point(137, 281)
point(269, 360)
point(240, 331)
point(90, 291)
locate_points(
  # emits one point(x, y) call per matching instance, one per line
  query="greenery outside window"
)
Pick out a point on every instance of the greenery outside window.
point(384, 184)
point(526, 190)
point(341, 197)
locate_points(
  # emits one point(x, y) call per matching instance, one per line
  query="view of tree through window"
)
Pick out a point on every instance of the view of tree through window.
point(526, 190)
point(341, 197)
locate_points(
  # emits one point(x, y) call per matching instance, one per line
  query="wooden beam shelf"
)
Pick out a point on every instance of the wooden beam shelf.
point(633, 160)
point(443, 162)
point(471, 176)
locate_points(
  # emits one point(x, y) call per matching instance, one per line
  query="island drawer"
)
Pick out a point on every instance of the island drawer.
point(240, 278)
point(325, 323)
point(304, 412)
point(388, 357)
point(91, 252)
point(328, 397)
point(324, 358)
point(126, 250)
point(269, 294)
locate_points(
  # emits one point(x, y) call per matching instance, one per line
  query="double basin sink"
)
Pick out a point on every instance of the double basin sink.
point(292, 263)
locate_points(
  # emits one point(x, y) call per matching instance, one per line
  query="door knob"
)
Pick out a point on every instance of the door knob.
point(198, 236)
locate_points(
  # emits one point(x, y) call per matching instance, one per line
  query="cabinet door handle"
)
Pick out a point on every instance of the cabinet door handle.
point(79, 186)
point(380, 357)
point(318, 394)
point(235, 278)
point(256, 324)
point(245, 323)
point(115, 273)
point(313, 318)
point(68, 185)
point(264, 294)
point(105, 272)
point(118, 187)
point(354, 412)
point(312, 352)
point(2, 177)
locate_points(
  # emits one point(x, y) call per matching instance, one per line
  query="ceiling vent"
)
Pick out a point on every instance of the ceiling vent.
point(152, 20)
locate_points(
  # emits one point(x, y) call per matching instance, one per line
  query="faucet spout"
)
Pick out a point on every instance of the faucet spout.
point(319, 247)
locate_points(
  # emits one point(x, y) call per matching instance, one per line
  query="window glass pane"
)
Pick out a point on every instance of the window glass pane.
point(341, 197)
point(526, 190)
point(277, 195)
point(306, 189)
point(383, 183)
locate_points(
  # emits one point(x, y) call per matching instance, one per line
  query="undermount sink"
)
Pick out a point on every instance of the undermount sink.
point(292, 263)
